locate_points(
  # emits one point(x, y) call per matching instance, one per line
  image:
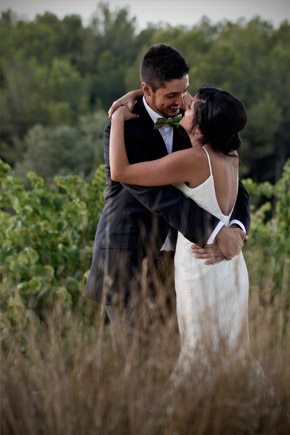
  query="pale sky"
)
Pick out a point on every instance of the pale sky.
point(174, 12)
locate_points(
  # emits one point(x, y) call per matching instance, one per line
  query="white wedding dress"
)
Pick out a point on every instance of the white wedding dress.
point(212, 300)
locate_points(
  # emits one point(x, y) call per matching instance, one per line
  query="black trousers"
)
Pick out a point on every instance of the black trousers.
point(150, 305)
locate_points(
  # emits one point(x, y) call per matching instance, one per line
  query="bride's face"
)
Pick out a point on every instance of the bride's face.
point(188, 117)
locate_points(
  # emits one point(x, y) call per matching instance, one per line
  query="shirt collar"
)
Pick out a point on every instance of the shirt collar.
point(153, 115)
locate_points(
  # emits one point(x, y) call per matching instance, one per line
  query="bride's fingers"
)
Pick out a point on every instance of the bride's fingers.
point(121, 102)
point(125, 113)
point(112, 109)
point(131, 104)
point(187, 100)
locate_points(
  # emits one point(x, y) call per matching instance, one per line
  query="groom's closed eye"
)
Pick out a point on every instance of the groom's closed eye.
point(172, 95)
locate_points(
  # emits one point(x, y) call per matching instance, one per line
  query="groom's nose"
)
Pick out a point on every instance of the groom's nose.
point(179, 100)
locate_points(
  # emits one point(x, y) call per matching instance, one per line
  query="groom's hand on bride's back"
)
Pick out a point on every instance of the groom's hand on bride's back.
point(210, 253)
point(231, 241)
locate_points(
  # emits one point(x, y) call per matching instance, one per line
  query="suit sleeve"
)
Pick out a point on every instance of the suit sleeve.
point(241, 211)
point(178, 211)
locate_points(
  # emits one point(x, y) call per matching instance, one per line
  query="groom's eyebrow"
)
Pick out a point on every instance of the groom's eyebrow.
point(177, 93)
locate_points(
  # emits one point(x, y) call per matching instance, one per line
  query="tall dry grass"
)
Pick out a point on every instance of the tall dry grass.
point(65, 377)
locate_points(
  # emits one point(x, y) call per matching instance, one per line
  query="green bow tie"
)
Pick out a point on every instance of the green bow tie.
point(161, 122)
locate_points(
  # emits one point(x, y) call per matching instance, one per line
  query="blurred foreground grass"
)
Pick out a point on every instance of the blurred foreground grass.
point(64, 376)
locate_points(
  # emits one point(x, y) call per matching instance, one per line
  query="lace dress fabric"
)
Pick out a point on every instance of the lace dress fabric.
point(212, 300)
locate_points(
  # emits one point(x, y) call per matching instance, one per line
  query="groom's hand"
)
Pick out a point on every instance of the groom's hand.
point(211, 253)
point(231, 241)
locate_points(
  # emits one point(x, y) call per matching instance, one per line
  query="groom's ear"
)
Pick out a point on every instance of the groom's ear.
point(146, 89)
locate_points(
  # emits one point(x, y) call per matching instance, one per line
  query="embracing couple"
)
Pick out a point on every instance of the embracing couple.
point(172, 185)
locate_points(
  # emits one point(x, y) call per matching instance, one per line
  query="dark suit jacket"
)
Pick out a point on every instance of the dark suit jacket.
point(136, 220)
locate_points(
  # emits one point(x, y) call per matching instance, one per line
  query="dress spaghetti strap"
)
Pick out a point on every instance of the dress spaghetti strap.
point(208, 158)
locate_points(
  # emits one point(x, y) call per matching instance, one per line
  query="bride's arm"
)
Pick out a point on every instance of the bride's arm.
point(174, 168)
point(128, 100)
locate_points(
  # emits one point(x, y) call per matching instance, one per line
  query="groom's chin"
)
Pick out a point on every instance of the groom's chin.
point(173, 112)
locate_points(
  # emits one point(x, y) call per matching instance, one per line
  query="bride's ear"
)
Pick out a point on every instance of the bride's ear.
point(197, 133)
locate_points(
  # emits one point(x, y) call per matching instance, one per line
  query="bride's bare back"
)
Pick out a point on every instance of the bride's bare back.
point(225, 175)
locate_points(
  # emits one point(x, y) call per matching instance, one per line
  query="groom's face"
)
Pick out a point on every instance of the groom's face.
point(168, 99)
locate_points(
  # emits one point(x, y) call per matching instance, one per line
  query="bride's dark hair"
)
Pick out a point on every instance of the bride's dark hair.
point(220, 116)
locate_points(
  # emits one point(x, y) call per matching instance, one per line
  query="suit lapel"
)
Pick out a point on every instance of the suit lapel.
point(181, 140)
point(152, 137)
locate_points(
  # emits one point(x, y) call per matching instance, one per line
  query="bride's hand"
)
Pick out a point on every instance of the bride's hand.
point(124, 114)
point(187, 101)
point(128, 100)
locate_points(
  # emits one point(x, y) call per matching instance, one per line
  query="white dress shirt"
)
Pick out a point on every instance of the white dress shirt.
point(166, 131)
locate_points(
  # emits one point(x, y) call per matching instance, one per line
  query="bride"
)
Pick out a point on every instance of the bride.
point(212, 301)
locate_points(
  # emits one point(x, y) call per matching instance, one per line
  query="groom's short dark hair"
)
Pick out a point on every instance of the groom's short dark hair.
point(160, 64)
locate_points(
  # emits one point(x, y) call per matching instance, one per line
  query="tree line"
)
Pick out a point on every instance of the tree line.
point(58, 77)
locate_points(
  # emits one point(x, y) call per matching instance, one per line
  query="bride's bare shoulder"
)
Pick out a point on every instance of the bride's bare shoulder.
point(197, 153)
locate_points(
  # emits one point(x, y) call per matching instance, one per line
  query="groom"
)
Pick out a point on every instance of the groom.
point(137, 222)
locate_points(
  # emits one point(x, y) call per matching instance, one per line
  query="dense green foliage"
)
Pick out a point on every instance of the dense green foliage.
point(269, 253)
point(47, 240)
point(54, 71)
point(46, 245)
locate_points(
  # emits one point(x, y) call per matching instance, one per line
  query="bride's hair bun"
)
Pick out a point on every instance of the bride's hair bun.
point(220, 117)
